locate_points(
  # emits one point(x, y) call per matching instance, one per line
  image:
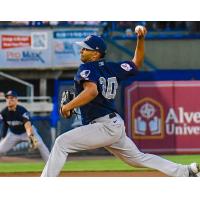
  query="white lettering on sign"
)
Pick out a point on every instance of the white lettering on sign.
point(171, 116)
point(172, 129)
point(182, 122)
point(182, 116)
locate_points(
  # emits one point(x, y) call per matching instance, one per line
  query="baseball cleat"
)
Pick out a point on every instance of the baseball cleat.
point(194, 170)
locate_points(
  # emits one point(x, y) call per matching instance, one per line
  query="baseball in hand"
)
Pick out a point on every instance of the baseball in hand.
point(140, 30)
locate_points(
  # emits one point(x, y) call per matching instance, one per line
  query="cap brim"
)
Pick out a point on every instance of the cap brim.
point(10, 95)
point(83, 45)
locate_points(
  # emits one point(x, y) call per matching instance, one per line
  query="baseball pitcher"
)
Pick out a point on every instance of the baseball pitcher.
point(96, 84)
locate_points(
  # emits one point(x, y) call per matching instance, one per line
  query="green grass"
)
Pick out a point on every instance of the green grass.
point(7, 167)
point(111, 164)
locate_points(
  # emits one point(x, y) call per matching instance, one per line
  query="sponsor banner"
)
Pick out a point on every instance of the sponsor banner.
point(14, 41)
point(41, 48)
point(164, 117)
point(25, 48)
point(65, 51)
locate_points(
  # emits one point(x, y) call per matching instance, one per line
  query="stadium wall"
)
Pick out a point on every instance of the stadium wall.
point(165, 53)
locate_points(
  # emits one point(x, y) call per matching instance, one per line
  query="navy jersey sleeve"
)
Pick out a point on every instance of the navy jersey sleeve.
point(25, 115)
point(1, 117)
point(4, 130)
point(126, 69)
point(86, 73)
point(4, 126)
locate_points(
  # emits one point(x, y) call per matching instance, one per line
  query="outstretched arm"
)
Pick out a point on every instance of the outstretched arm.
point(29, 129)
point(139, 50)
point(88, 94)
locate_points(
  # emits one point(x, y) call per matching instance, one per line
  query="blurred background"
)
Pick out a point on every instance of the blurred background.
point(39, 59)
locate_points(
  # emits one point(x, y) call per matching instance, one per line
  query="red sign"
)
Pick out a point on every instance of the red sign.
point(15, 41)
point(164, 116)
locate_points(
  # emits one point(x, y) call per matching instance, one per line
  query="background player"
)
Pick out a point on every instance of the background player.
point(17, 126)
point(96, 85)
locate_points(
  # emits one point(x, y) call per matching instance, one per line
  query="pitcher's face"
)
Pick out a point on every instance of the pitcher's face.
point(88, 55)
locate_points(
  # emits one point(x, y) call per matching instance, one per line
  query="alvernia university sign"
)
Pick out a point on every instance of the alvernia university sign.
point(164, 116)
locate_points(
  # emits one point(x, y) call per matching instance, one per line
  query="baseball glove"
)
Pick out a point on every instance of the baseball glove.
point(67, 96)
point(33, 142)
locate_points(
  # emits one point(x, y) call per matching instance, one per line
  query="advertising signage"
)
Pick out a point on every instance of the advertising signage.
point(41, 49)
point(65, 52)
point(164, 116)
point(24, 49)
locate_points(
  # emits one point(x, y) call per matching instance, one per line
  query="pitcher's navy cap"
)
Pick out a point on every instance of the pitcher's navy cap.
point(11, 93)
point(93, 42)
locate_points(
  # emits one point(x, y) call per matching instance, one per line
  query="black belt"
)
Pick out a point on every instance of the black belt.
point(111, 115)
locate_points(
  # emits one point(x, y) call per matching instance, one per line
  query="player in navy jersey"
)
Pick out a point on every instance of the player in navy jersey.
point(96, 84)
point(17, 126)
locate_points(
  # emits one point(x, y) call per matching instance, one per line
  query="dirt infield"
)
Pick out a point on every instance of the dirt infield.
point(89, 174)
point(13, 159)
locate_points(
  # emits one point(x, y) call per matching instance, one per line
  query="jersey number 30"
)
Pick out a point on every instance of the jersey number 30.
point(109, 87)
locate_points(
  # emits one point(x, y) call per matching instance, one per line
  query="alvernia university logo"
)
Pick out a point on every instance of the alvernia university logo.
point(147, 119)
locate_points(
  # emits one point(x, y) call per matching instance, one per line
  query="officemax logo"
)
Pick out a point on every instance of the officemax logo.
point(24, 56)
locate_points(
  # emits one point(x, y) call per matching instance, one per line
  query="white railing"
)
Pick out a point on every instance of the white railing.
point(30, 87)
point(39, 104)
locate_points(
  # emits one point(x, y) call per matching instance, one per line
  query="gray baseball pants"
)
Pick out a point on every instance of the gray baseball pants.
point(110, 134)
point(12, 139)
